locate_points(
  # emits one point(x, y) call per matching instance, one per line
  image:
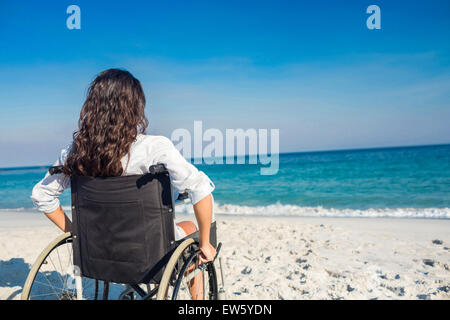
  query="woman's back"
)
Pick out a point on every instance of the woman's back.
point(145, 151)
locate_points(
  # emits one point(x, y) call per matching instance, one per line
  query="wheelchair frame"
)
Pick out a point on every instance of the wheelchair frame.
point(183, 257)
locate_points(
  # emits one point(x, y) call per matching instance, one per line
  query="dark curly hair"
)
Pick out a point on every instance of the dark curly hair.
point(110, 120)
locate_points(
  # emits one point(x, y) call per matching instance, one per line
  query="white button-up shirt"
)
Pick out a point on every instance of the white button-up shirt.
point(145, 151)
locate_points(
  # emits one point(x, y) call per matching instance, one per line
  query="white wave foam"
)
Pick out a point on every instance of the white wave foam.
point(278, 209)
point(67, 209)
point(17, 209)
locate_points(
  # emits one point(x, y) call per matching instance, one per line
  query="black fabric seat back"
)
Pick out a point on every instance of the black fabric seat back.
point(123, 227)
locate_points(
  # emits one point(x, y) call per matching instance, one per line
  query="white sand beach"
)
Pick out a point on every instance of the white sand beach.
point(287, 258)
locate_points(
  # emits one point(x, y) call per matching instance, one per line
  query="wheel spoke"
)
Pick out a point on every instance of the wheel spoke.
point(62, 270)
point(49, 286)
point(56, 269)
point(41, 295)
point(49, 283)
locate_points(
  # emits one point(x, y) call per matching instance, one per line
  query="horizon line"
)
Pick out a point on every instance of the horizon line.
point(280, 153)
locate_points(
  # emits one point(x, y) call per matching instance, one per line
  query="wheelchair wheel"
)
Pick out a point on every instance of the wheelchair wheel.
point(53, 277)
point(184, 279)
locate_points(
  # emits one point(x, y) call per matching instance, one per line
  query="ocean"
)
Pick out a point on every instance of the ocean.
point(397, 182)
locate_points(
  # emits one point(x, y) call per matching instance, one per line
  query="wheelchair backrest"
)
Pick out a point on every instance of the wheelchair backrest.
point(123, 227)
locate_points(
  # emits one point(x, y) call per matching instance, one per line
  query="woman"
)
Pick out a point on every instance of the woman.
point(110, 141)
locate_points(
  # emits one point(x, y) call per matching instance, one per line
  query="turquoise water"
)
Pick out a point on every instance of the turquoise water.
point(386, 179)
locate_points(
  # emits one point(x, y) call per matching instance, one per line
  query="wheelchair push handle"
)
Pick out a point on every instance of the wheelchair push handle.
point(183, 196)
point(157, 168)
point(154, 169)
point(161, 168)
point(55, 170)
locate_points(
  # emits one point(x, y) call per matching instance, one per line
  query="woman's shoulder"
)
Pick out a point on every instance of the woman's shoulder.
point(154, 140)
point(154, 143)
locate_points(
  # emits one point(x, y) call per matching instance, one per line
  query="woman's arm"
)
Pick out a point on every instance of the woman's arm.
point(46, 192)
point(186, 177)
point(59, 218)
point(203, 214)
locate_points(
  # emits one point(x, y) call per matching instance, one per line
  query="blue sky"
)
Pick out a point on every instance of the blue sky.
point(309, 68)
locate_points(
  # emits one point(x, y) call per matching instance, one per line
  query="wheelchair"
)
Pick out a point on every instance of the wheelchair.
point(122, 246)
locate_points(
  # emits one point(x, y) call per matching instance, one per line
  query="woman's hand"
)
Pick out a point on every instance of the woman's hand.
point(208, 252)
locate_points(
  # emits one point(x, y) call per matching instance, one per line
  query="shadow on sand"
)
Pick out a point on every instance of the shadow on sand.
point(13, 273)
